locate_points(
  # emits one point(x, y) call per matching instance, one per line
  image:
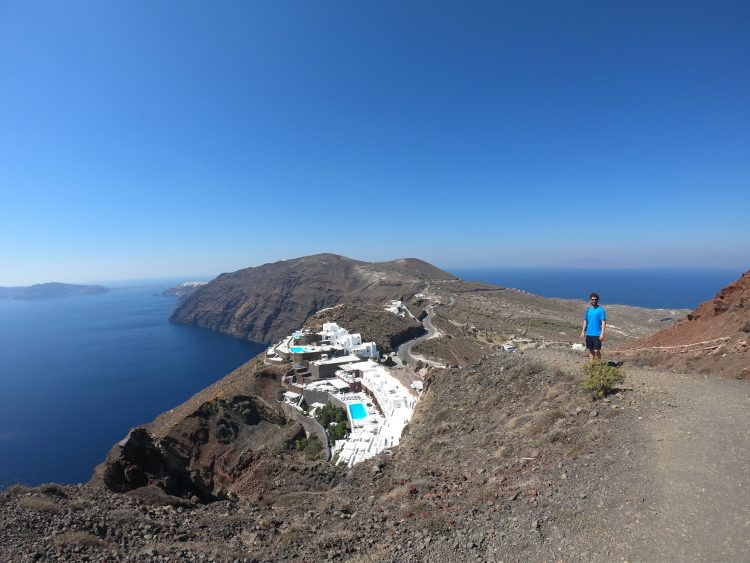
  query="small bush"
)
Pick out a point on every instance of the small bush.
point(544, 421)
point(17, 489)
point(40, 504)
point(601, 379)
point(310, 447)
point(313, 449)
point(53, 490)
point(78, 538)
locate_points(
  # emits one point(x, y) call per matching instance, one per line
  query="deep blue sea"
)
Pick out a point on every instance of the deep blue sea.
point(77, 373)
point(642, 287)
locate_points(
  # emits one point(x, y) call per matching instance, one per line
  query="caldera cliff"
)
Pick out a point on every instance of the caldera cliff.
point(270, 301)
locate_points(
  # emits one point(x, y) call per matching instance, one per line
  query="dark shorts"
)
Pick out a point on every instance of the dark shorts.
point(593, 343)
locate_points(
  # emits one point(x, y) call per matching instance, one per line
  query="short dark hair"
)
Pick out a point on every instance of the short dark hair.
point(594, 295)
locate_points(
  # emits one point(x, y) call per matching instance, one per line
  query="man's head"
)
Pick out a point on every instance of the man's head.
point(594, 298)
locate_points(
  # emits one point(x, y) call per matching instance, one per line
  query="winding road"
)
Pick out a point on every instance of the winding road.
point(404, 351)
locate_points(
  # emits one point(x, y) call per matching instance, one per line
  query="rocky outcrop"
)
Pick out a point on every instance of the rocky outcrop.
point(203, 455)
point(267, 302)
point(139, 460)
point(712, 339)
point(205, 448)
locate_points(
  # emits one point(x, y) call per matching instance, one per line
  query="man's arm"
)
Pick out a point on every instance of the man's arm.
point(583, 330)
point(601, 336)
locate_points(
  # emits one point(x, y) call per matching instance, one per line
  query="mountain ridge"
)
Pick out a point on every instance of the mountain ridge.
point(266, 302)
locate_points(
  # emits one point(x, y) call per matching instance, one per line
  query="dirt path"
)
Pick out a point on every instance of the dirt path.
point(677, 487)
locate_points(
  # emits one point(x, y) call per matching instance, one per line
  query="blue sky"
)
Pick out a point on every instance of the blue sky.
point(145, 139)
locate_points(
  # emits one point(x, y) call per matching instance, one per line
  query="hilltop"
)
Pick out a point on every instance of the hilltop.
point(266, 302)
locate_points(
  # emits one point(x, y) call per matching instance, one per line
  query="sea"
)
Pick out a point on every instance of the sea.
point(641, 287)
point(76, 373)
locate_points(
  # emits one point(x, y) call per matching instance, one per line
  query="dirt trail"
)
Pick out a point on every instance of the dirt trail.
point(679, 485)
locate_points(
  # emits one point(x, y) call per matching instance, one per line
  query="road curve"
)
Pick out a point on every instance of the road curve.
point(404, 351)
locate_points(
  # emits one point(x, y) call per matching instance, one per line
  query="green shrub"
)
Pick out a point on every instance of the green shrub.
point(311, 447)
point(601, 379)
point(337, 432)
point(329, 414)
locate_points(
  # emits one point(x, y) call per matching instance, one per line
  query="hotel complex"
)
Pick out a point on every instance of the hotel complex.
point(337, 367)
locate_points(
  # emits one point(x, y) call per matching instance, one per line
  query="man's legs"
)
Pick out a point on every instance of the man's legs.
point(594, 346)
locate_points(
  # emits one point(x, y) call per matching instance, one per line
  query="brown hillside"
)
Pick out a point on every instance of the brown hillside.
point(712, 339)
point(268, 302)
point(387, 330)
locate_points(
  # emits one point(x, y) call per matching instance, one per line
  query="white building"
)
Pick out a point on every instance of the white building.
point(339, 337)
point(389, 392)
point(373, 431)
point(397, 308)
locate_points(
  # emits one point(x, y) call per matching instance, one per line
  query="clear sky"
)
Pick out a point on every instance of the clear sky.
point(145, 139)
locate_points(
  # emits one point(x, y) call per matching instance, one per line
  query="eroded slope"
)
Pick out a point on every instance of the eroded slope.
point(268, 302)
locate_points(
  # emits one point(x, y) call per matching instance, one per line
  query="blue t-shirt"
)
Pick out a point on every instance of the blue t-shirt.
point(594, 317)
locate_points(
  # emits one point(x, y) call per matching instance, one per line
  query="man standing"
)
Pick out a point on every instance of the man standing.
point(594, 323)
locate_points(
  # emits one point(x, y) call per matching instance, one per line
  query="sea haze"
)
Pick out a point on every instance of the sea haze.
point(77, 373)
point(640, 287)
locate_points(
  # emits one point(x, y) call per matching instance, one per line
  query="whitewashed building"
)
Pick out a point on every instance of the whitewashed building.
point(351, 344)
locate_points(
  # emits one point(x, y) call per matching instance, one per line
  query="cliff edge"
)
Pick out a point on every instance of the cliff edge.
point(270, 301)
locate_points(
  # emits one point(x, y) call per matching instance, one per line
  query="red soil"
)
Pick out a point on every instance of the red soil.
point(714, 338)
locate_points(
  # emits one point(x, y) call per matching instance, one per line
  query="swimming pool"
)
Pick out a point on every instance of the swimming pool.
point(357, 411)
point(297, 349)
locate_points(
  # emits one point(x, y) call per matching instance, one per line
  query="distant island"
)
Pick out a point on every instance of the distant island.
point(51, 290)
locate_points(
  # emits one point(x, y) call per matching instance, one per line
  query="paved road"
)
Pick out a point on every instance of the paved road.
point(404, 351)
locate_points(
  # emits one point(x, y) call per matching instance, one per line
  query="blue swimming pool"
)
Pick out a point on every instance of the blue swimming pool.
point(297, 349)
point(357, 410)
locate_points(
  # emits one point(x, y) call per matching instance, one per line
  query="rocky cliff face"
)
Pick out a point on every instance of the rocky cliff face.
point(227, 440)
point(267, 302)
point(714, 338)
